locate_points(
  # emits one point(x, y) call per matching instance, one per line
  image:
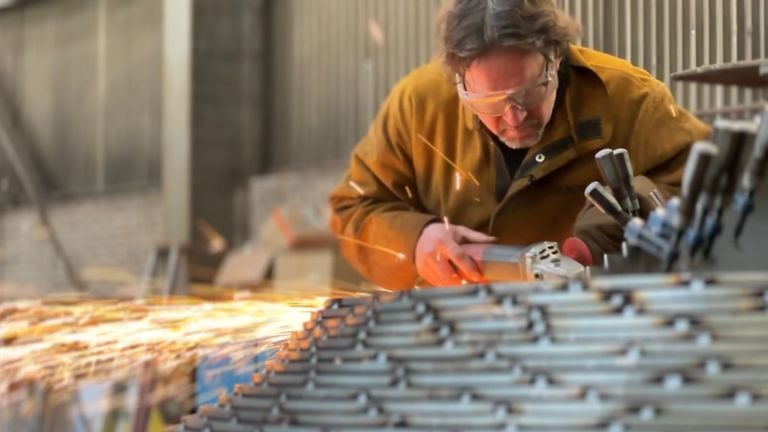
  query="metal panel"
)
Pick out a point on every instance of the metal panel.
point(133, 109)
point(667, 36)
point(333, 62)
point(83, 77)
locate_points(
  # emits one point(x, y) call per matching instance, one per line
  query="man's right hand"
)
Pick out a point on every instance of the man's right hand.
point(442, 261)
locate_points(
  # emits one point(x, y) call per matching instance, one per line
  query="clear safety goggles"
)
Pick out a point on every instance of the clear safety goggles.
point(497, 103)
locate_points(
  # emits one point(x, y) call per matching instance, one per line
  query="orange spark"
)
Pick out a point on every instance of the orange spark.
point(356, 187)
point(399, 255)
point(376, 32)
point(450, 162)
point(60, 343)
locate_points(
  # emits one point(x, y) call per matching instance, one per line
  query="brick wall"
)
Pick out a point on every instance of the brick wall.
point(107, 238)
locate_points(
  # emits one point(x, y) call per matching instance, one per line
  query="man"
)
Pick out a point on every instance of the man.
point(495, 141)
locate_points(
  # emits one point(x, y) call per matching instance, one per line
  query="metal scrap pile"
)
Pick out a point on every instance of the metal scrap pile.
point(618, 353)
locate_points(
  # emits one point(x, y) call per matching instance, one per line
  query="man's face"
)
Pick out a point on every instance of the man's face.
point(515, 94)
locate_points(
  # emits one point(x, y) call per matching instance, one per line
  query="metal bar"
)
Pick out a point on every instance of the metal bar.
point(666, 37)
point(748, 45)
point(10, 145)
point(599, 7)
point(761, 26)
point(736, 93)
point(101, 93)
point(692, 47)
point(733, 109)
point(719, 50)
point(591, 26)
point(176, 124)
point(707, 49)
point(654, 40)
point(640, 37)
point(615, 28)
point(150, 270)
point(579, 18)
point(175, 263)
point(628, 31)
point(680, 56)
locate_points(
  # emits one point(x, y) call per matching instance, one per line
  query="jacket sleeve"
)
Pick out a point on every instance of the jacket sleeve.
point(659, 144)
point(375, 207)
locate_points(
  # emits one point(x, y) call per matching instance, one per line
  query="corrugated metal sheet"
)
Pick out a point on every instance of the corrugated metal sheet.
point(667, 36)
point(335, 60)
point(83, 77)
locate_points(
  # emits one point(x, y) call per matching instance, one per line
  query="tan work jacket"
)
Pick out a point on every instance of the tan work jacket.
point(397, 182)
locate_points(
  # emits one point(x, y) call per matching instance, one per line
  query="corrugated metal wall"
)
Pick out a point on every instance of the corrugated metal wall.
point(667, 36)
point(335, 60)
point(84, 78)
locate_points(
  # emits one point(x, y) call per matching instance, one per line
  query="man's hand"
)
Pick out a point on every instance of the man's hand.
point(441, 260)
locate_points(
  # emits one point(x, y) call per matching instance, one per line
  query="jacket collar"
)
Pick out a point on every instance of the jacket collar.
point(591, 123)
point(582, 124)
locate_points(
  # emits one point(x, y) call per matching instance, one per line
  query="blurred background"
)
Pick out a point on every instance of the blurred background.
point(168, 132)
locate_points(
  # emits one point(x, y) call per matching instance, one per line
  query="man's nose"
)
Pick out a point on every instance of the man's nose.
point(514, 116)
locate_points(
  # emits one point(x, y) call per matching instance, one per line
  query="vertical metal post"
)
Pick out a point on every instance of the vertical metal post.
point(692, 46)
point(177, 124)
point(177, 104)
point(679, 66)
point(101, 93)
point(640, 37)
point(719, 54)
point(761, 25)
point(666, 48)
point(707, 50)
point(579, 18)
point(654, 40)
point(628, 31)
point(734, 36)
point(591, 41)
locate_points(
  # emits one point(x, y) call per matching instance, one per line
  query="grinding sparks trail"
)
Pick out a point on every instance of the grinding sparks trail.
point(456, 167)
point(59, 343)
point(398, 255)
point(356, 187)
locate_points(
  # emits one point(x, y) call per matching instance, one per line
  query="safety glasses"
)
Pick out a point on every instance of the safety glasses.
point(497, 103)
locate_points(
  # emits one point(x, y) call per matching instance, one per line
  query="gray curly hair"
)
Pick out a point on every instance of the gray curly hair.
point(472, 28)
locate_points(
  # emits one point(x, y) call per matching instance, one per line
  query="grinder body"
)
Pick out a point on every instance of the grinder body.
point(538, 262)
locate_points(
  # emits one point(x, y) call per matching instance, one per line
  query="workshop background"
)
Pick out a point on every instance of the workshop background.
point(140, 129)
